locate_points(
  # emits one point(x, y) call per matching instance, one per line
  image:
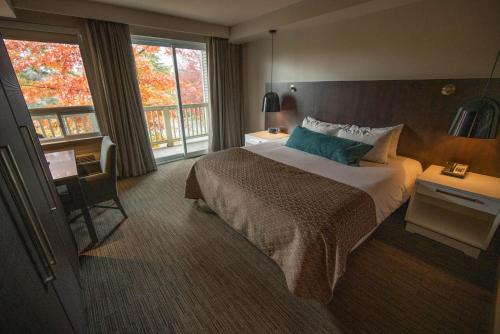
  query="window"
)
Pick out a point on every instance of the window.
point(173, 133)
point(55, 87)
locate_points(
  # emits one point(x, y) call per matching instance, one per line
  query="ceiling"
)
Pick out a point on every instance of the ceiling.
point(224, 12)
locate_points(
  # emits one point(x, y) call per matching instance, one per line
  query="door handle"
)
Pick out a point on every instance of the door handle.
point(22, 201)
point(26, 133)
point(475, 200)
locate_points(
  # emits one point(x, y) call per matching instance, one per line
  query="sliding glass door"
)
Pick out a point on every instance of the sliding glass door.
point(193, 83)
point(173, 83)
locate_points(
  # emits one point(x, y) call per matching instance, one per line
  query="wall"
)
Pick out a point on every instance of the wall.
point(133, 17)
point(424, 40)
point(42, 26)
point(28, 21)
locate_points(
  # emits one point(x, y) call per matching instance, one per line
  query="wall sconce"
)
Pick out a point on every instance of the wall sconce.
point(448, 89)
point(293, 88)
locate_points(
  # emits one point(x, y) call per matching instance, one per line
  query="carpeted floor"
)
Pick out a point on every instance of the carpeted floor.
point(172, 268)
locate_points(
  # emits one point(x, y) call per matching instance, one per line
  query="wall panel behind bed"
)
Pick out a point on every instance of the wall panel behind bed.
point(418, 104)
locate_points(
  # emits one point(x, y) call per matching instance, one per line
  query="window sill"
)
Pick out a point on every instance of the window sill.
point(70, 143)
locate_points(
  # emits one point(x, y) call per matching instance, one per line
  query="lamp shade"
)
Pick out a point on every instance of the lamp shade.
point(271, 102)
point(477, 118)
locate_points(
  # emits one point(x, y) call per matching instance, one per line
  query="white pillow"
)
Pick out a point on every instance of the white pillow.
point(380, 138)
point(367, 135)
point(325, 128)
point(393, 146)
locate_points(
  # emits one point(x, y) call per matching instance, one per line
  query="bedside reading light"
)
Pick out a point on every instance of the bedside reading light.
point(477, 118)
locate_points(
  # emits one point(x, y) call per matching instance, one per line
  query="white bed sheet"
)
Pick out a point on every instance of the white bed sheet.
point(389, 185)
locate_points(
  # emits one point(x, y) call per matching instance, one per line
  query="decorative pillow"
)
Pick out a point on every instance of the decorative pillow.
point(325, 128)
point(379, 138)
point(345, 151)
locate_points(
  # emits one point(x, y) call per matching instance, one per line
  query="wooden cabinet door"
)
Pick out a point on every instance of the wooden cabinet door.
point(30, 140)
point(46, 236)
point(28, 301)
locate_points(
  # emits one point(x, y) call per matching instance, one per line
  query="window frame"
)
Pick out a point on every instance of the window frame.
point(69, 36)
point(167, 42)
point(60, 112)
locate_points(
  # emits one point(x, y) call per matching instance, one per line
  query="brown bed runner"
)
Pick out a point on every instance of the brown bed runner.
point(305, 222)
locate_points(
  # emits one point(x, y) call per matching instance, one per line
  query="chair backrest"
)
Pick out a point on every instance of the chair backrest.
point(108, 156)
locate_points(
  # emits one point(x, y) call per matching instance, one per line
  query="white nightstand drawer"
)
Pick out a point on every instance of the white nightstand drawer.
point(473, 201)
point(461, 213)
point(253, 141)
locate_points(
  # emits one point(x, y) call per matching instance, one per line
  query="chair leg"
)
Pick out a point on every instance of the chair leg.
point(120, 206)
point(90, 225)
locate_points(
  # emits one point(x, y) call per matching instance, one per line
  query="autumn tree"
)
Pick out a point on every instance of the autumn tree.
point(157, 79)
point(53, 75)
point(50, 74)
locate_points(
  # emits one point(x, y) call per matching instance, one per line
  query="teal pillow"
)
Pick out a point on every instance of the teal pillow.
point(345, 151)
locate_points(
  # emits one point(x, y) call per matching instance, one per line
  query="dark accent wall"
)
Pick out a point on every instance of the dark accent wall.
point(418, 104)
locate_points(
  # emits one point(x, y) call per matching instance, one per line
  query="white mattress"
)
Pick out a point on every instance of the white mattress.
point(389, 185)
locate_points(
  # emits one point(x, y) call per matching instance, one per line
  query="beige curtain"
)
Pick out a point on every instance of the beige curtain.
point(224, 72)
point(110, 66)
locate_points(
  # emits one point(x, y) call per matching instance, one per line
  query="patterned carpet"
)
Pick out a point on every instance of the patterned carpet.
point(172, 268)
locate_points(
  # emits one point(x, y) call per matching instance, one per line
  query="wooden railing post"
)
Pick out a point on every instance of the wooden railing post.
point(168, 126)
point(195, 121)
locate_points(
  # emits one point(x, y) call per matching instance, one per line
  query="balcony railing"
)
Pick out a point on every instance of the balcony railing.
point(54, 124)
point(164, 126)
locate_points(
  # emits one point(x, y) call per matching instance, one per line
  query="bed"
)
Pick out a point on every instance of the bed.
point(388, 185)
point(285, 201)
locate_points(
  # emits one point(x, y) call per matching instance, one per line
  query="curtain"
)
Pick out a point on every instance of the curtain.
point(110, 66)
point(225, 80)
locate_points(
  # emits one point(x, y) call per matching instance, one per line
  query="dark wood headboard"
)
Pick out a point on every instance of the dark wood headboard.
point(418, 104)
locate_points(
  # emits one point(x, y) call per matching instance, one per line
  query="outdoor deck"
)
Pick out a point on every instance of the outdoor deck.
point(193, 145)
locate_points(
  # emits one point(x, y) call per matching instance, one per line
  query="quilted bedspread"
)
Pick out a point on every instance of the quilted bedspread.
point(305, 222)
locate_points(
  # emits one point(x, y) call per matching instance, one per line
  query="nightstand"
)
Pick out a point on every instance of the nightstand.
point(461, 213)
point(263, 137)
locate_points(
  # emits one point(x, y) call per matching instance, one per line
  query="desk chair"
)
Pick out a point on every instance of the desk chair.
point(100, 186)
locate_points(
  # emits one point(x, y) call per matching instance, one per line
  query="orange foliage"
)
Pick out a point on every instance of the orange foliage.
point(191, 75)
point(157, 79)
point(50, 74)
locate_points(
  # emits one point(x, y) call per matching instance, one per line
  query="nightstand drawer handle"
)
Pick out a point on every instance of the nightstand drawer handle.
point(459, 196)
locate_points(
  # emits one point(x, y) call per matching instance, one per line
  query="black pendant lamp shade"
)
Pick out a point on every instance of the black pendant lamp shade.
point(477, 118)
point(271, 100)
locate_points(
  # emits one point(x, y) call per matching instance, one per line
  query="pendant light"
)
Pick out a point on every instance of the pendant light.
point(477, 118)
point(271, 101)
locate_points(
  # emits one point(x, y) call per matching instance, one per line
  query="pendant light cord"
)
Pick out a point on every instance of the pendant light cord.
point(491, 75)
point(272, 58)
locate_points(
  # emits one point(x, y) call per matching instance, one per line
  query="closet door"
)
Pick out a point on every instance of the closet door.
point(35, 215)
point(28, 301)
point(30, 140)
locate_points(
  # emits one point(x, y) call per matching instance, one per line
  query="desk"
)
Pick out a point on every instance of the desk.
point(63, 169)
point(62, 165)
